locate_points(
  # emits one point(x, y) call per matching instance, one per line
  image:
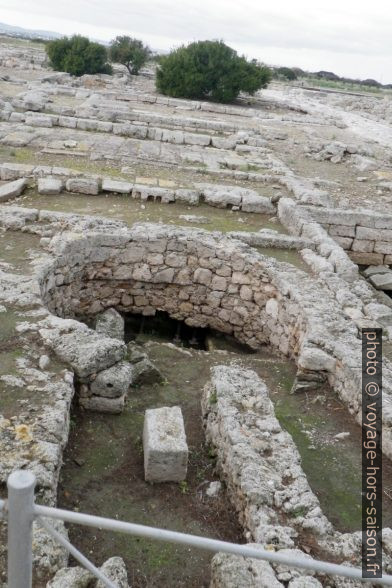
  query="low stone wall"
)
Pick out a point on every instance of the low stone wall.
point(268, 238)
point(53, 180)
point(135, 130)
point(366, 306)
point(299, 221)
point(261, 466)
point(365, 235)
point(206, 279)
point(211, 282)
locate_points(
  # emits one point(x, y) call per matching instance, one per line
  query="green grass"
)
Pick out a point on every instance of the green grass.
point(345, 86)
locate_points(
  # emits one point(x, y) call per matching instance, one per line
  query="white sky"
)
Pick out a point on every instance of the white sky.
point(350, 37)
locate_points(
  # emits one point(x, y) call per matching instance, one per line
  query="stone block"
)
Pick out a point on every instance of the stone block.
point(116, 186)
point(165, 446)
point(145, 372)
point(257, 203)
point(374, 234)
point(86, 124)
point(50, 186)
point(342, 231)
point(39, 120)
point(196, 139)
point(110, 324)
point(83, 186)
point(113, 382)
point(86, 351)
point(203, 276)
point(382, 281)
point(14, 171)
point(223, 143)
point(383, 247)
point(366, 258)
point(362, 246)
point(12, 189)
point(176, 137)
point(68, 122)
point(376, 269)
point(153, 193)
point(315, 359)
point(344, 242)
point(189, 196)
point(221, 196)
point(101, 404)
point(104, 127)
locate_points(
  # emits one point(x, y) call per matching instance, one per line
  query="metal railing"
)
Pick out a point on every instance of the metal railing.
point(20, 511)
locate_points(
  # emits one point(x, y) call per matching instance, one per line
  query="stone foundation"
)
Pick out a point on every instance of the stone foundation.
point(266, 484)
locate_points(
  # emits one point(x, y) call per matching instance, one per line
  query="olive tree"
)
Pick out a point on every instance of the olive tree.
point(131, 53)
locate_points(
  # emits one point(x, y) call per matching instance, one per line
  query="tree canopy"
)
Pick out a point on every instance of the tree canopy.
point(78, 56)
point(131, 53)
point(286, 72)
point(209, 70)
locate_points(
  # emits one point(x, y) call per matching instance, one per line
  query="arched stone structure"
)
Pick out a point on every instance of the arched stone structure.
point(204, 280)
point(209, 280)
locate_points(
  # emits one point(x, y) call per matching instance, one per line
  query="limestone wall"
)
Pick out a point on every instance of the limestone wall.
point(266, 484)
point(137, 130)
point(365, 235)
point(211, 281)
point(208, 280)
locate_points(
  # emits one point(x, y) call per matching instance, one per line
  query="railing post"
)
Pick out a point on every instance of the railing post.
point(21, 486)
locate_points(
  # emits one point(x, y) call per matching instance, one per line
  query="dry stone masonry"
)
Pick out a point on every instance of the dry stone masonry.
point(100, 137)
point(262, 470)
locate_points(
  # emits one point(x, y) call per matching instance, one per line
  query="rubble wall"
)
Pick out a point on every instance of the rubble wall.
point(211, 281)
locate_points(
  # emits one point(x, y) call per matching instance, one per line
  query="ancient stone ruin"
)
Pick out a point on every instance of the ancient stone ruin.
point(182, 289)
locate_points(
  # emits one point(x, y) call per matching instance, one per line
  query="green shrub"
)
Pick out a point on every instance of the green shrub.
point(209, 70)
point(129, 52)
point(287, 73)
point(78, 56)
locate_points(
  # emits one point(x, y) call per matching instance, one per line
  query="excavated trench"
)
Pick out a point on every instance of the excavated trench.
point(104, 457)
point(130, 210)
point(103, 469)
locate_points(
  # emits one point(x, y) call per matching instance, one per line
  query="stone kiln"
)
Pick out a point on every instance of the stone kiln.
point(209, 281)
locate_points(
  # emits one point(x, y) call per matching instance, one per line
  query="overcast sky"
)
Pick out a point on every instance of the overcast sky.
point(350, 37)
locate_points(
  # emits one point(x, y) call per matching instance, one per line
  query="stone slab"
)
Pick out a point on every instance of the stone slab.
point(12, 189)
point(165, 446)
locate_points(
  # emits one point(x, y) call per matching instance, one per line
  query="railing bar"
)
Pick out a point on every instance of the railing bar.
point(76, 554)
point(206, 543)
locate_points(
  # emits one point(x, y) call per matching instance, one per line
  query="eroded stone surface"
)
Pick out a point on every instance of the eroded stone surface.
point(164, 444)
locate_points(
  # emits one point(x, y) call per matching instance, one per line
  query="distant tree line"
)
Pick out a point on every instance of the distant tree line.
point(293, 73)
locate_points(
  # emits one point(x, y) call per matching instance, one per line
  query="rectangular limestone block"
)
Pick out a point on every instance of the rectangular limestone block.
point(366, 258)
point(341, 231)
point(83, 186)
point(344, 242)
point(374, 234)
point(165, 446)
point(116, 186)
point(50, 186)
point(363, 246)
point(383, 247)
